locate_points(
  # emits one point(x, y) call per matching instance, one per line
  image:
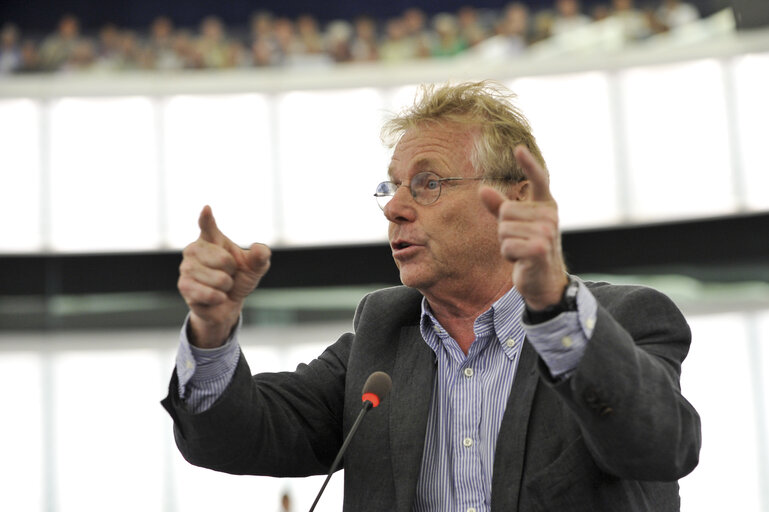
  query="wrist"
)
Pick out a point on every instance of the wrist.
point(567, 302)
point(204, 334)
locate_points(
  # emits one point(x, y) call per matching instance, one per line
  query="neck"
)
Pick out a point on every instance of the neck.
point(457, 312)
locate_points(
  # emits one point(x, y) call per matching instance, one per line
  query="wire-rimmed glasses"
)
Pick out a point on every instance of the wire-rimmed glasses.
point(425, 188)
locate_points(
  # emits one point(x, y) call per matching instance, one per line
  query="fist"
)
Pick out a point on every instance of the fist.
point(529, 235)
point(215, 277)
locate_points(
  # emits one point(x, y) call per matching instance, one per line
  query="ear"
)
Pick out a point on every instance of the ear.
point(520, 191)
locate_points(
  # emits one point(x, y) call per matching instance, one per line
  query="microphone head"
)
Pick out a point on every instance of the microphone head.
point(376, 388)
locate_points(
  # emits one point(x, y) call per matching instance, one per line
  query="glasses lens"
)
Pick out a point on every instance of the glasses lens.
point(425, 187)
point(384, 192)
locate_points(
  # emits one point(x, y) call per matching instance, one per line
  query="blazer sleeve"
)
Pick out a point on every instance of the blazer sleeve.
point(626, 395)
point(276, 424)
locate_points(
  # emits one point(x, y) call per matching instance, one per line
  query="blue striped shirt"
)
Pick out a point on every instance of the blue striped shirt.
point(469, 397)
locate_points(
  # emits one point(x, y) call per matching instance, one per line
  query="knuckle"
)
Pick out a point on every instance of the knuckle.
point(223, 281)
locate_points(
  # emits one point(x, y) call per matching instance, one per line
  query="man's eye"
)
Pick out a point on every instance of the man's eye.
point(432, 184)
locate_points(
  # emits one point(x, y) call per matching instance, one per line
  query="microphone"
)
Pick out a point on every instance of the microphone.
point(375, 390)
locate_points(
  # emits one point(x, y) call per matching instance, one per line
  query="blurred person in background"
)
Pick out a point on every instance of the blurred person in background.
point(57, 48)
point(161, 44)
point(471, 28)
point(516, 386)
point(10, 49)
point(290, 48)
point(339, 40)
point(512, 35)
point(675, 13)
point(568, 16)
point(365, 43)
point(264, 47)
point(212, 44)
point(632, 24)
point(187, 51)
point(600, 12)
point(81, 58)
point(30, 58)
point(285, 503)
point(309, 36)
point(396, 46)
point(415, 24)
point(108, 53)
point(448, 41)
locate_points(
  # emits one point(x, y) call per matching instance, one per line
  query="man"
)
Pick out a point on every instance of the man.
point(516, 386)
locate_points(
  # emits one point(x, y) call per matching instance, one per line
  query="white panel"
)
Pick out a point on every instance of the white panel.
point(331, 161)
point(751, 74)
point(104, 190)
point(677, 141)
point(204, 490)
point(219, 151)
point(21, 432)
point(716, 379)
point(400, 98)
point(20, 194)
point(109, 431)
point(570, 119)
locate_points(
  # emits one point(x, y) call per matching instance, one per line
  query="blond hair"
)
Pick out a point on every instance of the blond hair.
point(485, 105)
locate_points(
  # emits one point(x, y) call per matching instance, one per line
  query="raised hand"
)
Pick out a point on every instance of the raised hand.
point(529, 235)
point(215, 277)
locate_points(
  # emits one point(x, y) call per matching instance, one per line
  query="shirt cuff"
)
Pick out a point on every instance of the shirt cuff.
point(561, 341)
point(203, 373)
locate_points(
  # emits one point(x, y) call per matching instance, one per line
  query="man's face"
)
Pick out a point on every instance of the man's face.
point(446, 247)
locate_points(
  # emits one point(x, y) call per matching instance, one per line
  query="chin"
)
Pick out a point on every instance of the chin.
point(414, 279)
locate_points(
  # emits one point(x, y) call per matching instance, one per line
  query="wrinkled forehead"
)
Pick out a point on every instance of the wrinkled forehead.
point(431, 146)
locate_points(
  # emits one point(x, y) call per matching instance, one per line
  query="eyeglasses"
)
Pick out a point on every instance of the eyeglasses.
point(425, 188)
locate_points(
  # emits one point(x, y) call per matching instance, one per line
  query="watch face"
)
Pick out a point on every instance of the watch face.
point(570, 295)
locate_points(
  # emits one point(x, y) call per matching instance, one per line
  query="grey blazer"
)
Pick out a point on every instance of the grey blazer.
point(615, 436)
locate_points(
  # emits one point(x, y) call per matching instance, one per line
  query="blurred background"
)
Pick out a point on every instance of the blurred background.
point(119, 121)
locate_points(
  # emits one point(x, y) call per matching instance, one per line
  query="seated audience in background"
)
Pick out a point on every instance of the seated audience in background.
point(275, 42)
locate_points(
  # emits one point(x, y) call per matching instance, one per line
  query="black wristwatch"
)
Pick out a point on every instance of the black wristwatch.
point(568, 303)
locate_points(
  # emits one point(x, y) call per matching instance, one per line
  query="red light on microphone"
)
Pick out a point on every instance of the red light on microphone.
point(371, 397)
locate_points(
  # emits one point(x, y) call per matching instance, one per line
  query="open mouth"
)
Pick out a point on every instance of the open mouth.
point(401, 245)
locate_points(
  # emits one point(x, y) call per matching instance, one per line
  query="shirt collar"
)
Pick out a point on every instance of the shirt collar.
point(502, 319)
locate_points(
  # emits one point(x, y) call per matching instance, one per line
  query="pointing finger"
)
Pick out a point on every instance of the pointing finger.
point(535, 173)
point(209, 231)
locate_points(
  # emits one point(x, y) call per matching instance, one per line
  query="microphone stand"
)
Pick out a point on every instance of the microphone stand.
point(367, 405)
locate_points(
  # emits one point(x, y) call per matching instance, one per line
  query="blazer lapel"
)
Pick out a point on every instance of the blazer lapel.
point(511, 442)
point(413, 376)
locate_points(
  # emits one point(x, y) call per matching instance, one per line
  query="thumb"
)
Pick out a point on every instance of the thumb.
point(492, 199)
point(209, 231)
point(258, 258)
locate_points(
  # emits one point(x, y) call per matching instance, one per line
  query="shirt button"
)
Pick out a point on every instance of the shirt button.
point(471, 509)
point(189, 364)
point(468, 372)
point(510, 342)
point(590, 322)
point(567, 342)
point(467, 442)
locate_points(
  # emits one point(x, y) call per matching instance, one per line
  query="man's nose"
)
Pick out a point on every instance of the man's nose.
point(401, 207)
